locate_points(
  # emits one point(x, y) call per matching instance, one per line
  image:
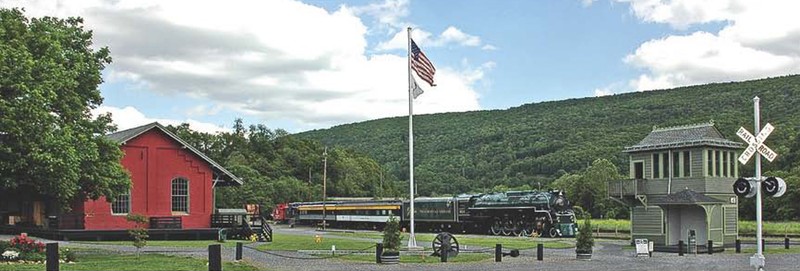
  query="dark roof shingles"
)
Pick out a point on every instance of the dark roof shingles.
point(685, 197)
point(683, 136)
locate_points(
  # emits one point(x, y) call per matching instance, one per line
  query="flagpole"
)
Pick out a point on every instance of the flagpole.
point(412, 241)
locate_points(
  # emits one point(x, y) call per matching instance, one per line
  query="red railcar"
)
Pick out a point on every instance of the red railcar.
point(279, 213)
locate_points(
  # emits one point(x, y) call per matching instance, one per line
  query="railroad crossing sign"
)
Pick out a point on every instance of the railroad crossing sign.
point(756, 144)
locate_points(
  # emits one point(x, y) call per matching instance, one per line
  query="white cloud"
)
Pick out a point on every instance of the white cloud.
point(759, 39)
point(489, 47)
point(277, 59)
point(454, 35)
point(129, 117)
point(451, 35)
point(587, 3)
point(389, 13)
point(611, 89)
point(682, 13)
point(598, 92)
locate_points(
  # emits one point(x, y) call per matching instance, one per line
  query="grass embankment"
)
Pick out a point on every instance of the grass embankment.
point(775, 228)
point(160, 243)
point(106, 260)
point(611, 225)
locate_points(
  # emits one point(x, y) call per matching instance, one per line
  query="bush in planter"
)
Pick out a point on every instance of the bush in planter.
point(584, 240)
point(391, 237)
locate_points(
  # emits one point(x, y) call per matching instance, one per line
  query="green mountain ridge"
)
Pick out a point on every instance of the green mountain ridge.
point(535, 143)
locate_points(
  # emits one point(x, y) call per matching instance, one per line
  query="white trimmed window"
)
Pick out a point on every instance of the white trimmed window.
point(121, 204)
point(180, 195)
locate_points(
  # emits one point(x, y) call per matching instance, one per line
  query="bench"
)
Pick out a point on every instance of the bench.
point(166, 222)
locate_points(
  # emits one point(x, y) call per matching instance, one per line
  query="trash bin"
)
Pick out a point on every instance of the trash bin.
point(222, 235)
point(692, 242)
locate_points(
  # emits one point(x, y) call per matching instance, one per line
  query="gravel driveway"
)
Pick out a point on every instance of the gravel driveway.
point(608, 255)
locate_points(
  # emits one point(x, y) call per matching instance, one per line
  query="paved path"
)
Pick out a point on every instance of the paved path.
point(609, 255)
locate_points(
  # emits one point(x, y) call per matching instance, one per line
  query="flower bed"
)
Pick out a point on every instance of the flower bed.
point(22, 248)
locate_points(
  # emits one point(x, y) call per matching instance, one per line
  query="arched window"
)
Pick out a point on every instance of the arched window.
point(180, 195)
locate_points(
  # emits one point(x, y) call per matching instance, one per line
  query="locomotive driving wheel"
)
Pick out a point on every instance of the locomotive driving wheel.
point(508, 227)
point(497, 227)
point(528, 230)
point(445, 243)
point(552, 231)
point(519, 228)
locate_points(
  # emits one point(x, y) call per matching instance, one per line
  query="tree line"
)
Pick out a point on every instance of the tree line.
point(277, 167)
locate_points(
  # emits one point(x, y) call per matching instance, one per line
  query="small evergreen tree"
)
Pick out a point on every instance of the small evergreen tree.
point(584, 240)
point(138, 232)
point(391, 235)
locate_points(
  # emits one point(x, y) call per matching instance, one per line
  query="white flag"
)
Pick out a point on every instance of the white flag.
point(415, 89)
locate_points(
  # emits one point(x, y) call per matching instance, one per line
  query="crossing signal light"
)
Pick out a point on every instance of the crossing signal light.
point(745, 187)
point(773, 187)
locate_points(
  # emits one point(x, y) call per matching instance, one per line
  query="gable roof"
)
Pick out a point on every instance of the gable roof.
point(703, 134)
point(220, 172)
point(685, 197)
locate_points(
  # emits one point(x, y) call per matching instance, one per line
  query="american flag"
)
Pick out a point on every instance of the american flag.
point(421, 64)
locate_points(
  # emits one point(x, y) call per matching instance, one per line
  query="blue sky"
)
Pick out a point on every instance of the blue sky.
point(300, 65)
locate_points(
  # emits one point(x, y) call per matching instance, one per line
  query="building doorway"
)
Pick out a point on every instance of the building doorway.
point(638, 170)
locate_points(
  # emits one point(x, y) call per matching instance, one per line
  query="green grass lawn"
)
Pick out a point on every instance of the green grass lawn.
point(610, 225)
point(160, 243)
point(770, 227)
point(772, 250)
point(479, 242)
point(777, 228)
point(461, 258)
point(308, 242)
point(103, 260)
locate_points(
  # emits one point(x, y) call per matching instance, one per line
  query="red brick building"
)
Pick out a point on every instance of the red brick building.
point(172, 183)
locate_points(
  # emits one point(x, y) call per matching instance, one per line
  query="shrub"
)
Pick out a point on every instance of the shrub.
point(25, 244)
point(138, 232)
point(584, 241)
point(32, 256)
point(4, 245)
point(391, 235)
point(67, 255)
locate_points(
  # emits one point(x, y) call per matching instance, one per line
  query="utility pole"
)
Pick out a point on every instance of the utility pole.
point(324, 185)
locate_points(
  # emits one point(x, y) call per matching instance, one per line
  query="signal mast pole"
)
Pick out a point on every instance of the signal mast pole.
point(324, 185)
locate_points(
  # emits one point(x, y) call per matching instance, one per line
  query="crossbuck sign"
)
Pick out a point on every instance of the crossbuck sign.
point(756, 144)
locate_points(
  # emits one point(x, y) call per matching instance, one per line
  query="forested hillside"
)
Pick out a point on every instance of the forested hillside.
point(537, 143)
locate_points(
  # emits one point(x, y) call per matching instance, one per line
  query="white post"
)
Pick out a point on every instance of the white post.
point(758, 258)
point(324, 187)
point(412, 241)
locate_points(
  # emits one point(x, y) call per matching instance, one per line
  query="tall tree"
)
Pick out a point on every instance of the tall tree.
point(49, 141)
point(587, 189)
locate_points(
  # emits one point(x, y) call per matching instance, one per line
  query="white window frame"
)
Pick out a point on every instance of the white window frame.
point(127, 210)
point(173, 196)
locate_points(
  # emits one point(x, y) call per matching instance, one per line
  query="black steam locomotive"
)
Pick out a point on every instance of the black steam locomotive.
point(521, 213)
